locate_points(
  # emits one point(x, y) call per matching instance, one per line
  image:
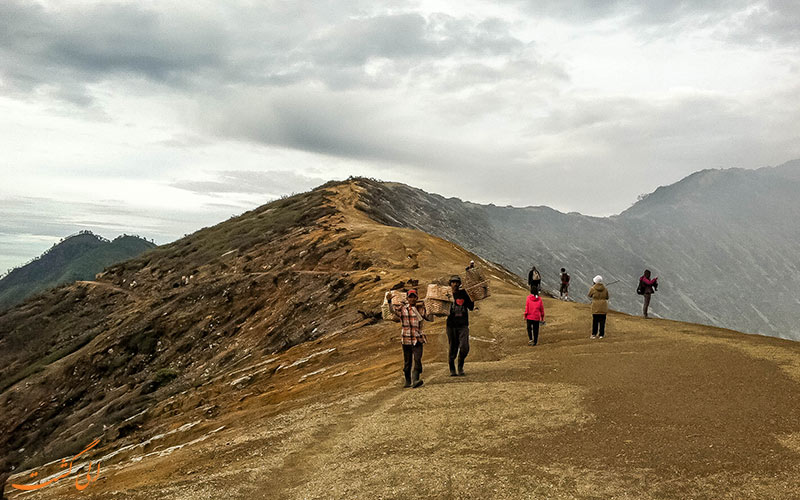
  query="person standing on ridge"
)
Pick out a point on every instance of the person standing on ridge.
point(458, 326)
point(412, 337)
point(534, 280)
point(534, 314)
point(564, 284)
point(647, 287)
point(470, 266)
point(599, 295)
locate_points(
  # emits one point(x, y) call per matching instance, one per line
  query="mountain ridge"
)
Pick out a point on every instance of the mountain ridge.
point(738, 235)
point(270, 358)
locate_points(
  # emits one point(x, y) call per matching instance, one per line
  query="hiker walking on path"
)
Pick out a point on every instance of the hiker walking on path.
point(647, 287)
point(534, 314)
point(534, 280)
point(458, 326)
point(564, 284)
point(599, 295)
point(413, 338)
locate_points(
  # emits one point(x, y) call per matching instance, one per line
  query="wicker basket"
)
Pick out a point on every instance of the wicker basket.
point(386, 311)
point(399, 297)
point(476, 285)
point(478, 291)
point(437, 307)
point(439, 292)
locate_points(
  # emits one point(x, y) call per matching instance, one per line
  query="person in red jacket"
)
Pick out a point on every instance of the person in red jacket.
point(534, 313)
point(647, 287)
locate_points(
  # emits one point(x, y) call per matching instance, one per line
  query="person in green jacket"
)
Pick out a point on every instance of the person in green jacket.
point(599, 295)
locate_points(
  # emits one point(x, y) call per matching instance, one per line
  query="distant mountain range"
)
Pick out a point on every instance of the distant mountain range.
point(78, 257)
point(724, 243)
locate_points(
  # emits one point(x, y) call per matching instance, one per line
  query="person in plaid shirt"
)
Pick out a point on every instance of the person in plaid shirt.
point(410, 316)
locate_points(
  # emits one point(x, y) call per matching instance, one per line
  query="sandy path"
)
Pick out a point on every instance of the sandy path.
point(649, 412)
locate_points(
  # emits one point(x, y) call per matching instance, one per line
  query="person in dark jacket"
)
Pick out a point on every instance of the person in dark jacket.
point(564, 290)
point(458, 326)
point(534, 280)
point(647, 287)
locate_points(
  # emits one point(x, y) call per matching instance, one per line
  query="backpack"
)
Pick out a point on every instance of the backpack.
point(640, 288)
point(565, 278)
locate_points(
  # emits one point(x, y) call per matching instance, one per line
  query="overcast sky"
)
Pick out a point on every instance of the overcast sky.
point(158, 118)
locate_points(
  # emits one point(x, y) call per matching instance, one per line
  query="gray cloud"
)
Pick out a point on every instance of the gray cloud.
point(640, 11)
point(736, 21)
point(269, 184)
point(349, 125)
point(68, 48)
point(774, 21)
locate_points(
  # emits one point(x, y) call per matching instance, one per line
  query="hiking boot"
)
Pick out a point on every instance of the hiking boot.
point(594, 337)
point(453, 373)
point(461, 372)
point(530, 342)
point(415, 380)
point(408, 382)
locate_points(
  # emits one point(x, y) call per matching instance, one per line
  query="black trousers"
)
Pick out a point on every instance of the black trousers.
point(458, 336)
point(533, 330)
point(412, 353)
point(599, 322)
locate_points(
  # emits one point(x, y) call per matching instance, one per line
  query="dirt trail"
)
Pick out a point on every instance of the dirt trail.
point(658, 409)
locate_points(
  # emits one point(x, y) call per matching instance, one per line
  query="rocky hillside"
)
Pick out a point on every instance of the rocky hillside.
point(723, 242)
point(78, 257)
point(97, 354)
point(249, 361)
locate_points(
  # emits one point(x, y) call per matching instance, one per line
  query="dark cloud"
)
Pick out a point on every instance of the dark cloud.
point(68, 48)
point(65, 49)
point(362, 126)
point(270, 184)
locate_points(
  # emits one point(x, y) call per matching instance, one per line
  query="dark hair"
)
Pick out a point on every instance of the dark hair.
point(563, 270)
point(647, 273)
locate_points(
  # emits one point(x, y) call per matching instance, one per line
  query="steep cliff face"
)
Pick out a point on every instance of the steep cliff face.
point(722, 241)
